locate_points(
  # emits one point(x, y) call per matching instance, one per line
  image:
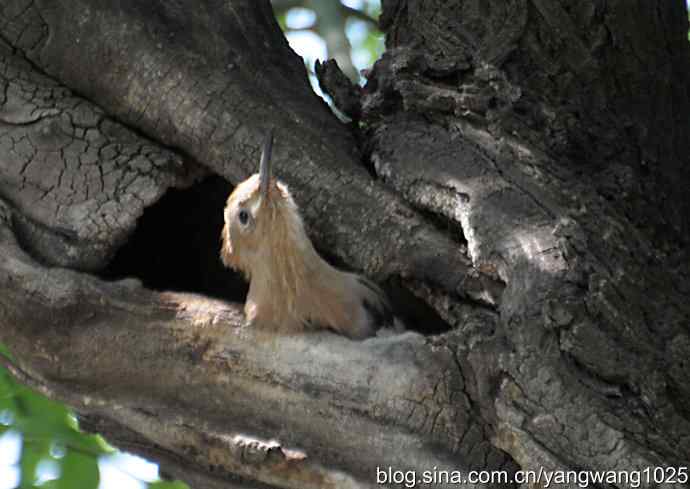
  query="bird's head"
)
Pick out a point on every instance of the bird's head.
point(254, 215)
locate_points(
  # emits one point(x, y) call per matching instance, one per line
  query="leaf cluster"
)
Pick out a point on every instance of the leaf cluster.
point(54, 452)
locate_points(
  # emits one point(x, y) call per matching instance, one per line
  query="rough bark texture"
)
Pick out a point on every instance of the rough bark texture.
point(520, 166)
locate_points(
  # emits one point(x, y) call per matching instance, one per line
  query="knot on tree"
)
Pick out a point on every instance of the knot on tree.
point(345, 94)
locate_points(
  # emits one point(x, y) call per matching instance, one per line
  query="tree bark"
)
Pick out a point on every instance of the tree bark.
point(520, 167)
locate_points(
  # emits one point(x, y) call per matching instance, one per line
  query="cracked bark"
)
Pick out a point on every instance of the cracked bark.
point(536, 146)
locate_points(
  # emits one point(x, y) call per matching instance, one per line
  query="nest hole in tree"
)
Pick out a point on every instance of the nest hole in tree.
point(176, 246)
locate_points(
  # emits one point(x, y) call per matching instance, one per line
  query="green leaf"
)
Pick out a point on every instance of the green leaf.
point(39, 418)
point(89, 444)
point(373, 9)
point(5, 351)
point(103, 444)
point(282, 20)
point(32, 407)
point(7, 384)
point(78, 471)
point(7, 411)
point(373, 44)
point(32, 453)
point(167, 485)
point(44, 423)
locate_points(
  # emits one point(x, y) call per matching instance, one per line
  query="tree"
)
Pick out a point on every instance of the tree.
point(516, 173)
point(330, 20)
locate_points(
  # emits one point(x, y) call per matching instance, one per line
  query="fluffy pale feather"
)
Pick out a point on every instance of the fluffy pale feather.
point(291, 286)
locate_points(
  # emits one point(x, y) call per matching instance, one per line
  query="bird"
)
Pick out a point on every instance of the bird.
point(292, 289)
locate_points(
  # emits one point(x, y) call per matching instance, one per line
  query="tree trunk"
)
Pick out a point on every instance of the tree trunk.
point(518, 174)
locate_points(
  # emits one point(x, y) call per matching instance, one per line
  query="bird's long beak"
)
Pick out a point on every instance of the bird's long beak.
point(265, 167)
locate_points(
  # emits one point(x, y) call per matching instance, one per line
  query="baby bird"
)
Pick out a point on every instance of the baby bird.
point(291, 288)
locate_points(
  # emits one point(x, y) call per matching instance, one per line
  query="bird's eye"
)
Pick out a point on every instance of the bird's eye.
point(243, 217)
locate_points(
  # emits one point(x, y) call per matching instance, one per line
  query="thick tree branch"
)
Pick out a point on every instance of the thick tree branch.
point(185, 374)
